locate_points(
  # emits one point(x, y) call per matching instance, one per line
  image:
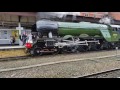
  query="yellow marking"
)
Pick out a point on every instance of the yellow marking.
point(115, 35)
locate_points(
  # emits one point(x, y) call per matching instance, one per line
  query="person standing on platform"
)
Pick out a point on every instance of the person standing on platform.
point(30, 38)
point(24, 38)
point(12, 40)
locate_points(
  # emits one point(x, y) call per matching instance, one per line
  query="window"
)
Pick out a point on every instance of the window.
point(0, 34)
point(5, 34)
point(95, 16)
point(86, 14)
point(115, 29)
point(119, 30)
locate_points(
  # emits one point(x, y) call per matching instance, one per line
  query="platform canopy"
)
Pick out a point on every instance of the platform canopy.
point(12, 18)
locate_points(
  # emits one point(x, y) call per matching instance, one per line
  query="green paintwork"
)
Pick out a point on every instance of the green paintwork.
point(78, 31)
point(115, 36)
point(106, 34)
point(91, 29)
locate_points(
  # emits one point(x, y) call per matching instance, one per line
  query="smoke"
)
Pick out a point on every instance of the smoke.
point(49, 15)
point(106, 20)
point(60, 14)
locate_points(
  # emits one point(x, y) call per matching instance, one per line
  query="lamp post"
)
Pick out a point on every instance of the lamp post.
point(20, 29)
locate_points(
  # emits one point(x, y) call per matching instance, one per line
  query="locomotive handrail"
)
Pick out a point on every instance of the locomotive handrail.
point(81, 41)
point(68, 43)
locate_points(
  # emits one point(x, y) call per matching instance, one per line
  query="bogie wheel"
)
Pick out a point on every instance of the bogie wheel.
point(35, 52)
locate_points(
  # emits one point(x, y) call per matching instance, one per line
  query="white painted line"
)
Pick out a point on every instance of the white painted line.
point(13, 47)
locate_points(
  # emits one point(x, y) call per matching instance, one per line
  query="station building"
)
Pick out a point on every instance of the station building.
point(15, 23)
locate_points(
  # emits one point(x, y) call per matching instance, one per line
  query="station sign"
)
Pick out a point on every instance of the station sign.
point(19, 28)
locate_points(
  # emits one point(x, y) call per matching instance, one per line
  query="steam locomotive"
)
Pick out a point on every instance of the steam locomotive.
point(68, 37)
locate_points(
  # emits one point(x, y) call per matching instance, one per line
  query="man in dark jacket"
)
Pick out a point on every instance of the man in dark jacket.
point(23, 38)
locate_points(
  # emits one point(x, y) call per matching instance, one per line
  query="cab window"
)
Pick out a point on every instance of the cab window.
point(114, 29)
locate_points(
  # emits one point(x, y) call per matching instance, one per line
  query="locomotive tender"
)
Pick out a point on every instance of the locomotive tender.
point(60, 37)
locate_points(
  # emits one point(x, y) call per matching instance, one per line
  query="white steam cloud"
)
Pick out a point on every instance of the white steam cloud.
point(55, 14)
point(106, 20)
point(65, 13)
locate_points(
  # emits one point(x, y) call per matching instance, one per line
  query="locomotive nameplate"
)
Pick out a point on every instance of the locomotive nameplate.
point(114, 35)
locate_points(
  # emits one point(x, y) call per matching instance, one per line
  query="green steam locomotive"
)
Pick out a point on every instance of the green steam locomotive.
point(59, 37)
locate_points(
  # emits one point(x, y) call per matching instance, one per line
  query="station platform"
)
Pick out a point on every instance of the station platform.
point(11, 47)
point(12, 51)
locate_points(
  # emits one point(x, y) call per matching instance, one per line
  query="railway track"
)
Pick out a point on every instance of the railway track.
point(29, 57)
point(53, 63)
point(14, 58)
point(100, 74)
point(25, 67)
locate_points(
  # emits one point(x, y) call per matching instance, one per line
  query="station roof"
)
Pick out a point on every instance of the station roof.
point(20, 13)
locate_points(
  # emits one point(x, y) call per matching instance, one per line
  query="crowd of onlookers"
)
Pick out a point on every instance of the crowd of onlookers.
point(24, 38)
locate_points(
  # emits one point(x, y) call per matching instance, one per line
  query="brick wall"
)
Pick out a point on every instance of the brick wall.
point(115, 15)
point(93, 14)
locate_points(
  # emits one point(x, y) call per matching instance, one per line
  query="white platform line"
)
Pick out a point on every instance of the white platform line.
point(14, 47)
